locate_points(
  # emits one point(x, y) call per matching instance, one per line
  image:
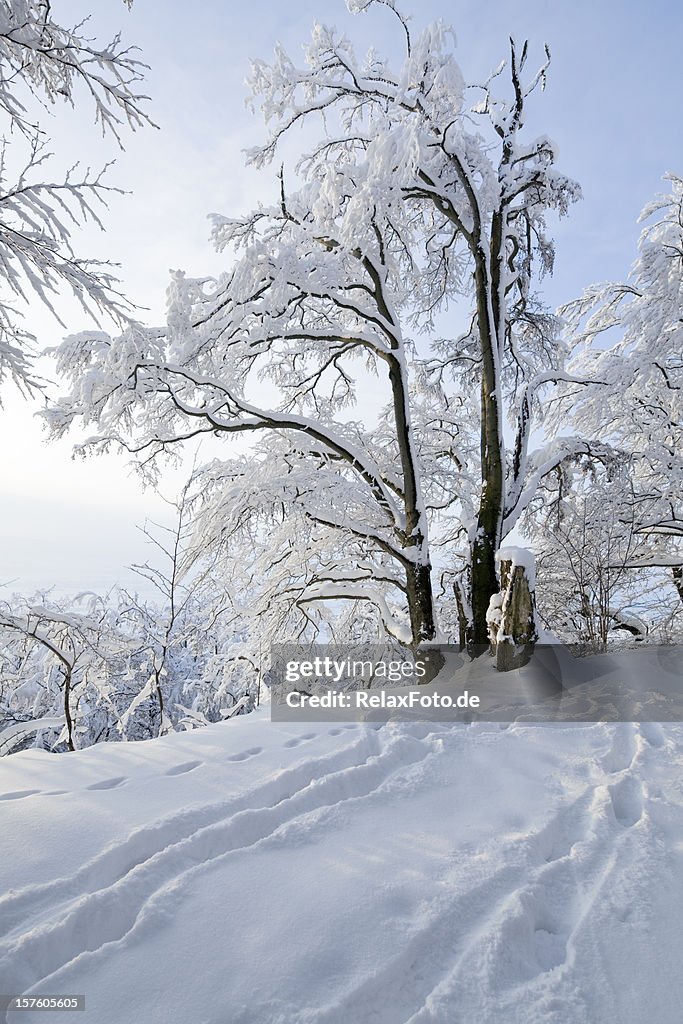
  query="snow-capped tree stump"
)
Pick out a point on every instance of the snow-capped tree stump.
point(511, 616)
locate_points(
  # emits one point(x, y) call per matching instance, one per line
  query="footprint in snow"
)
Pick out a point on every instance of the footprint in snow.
point(109, 783)
point(623, 749)
point(300, 739)
point(181, 769)
point(245, 754)
point(19, 794)
point(627, 801)
point(652, 733)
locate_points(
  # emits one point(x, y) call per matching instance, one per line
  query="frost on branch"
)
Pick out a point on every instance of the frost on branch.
point(40, 61)
point(39, 56)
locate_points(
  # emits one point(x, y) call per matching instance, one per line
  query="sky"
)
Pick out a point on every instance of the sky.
point(612, 105)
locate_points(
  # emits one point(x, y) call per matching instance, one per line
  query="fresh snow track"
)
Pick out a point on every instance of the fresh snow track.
point(148, 862)
point(522, 918)
point(403, 874)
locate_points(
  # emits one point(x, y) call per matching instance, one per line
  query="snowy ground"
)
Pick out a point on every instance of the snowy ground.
point(262, 873)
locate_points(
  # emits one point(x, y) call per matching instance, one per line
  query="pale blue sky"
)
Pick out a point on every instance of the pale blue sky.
point(612, 105)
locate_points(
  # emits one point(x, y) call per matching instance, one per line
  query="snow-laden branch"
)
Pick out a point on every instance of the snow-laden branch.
point(347, 591)
point(243, 416)
point(542, 462)
point(39, 215)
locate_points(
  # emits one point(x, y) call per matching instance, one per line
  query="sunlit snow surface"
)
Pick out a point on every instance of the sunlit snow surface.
point(262, 873)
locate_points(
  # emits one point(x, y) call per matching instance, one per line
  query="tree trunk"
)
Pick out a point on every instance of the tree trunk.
point(67, 709)
point(677, 573)
point(484, 580)
point(463, 622)
point(419, 573)
point(484, 583)
point(422, 620)
point(420, 604)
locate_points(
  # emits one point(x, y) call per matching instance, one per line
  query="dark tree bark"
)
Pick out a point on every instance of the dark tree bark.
point(677, 573)
point(421, 603)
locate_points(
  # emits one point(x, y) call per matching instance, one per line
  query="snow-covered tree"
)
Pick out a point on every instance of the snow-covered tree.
point(178, 633)
point(629, 337)
point(44, 63)
point(71, 676)
point(421, 191)
point(301, 306)
point(462, 175)
point(583, 525)
point(61, 664)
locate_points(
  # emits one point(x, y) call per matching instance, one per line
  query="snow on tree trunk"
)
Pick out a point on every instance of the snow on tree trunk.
point(511, 613)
